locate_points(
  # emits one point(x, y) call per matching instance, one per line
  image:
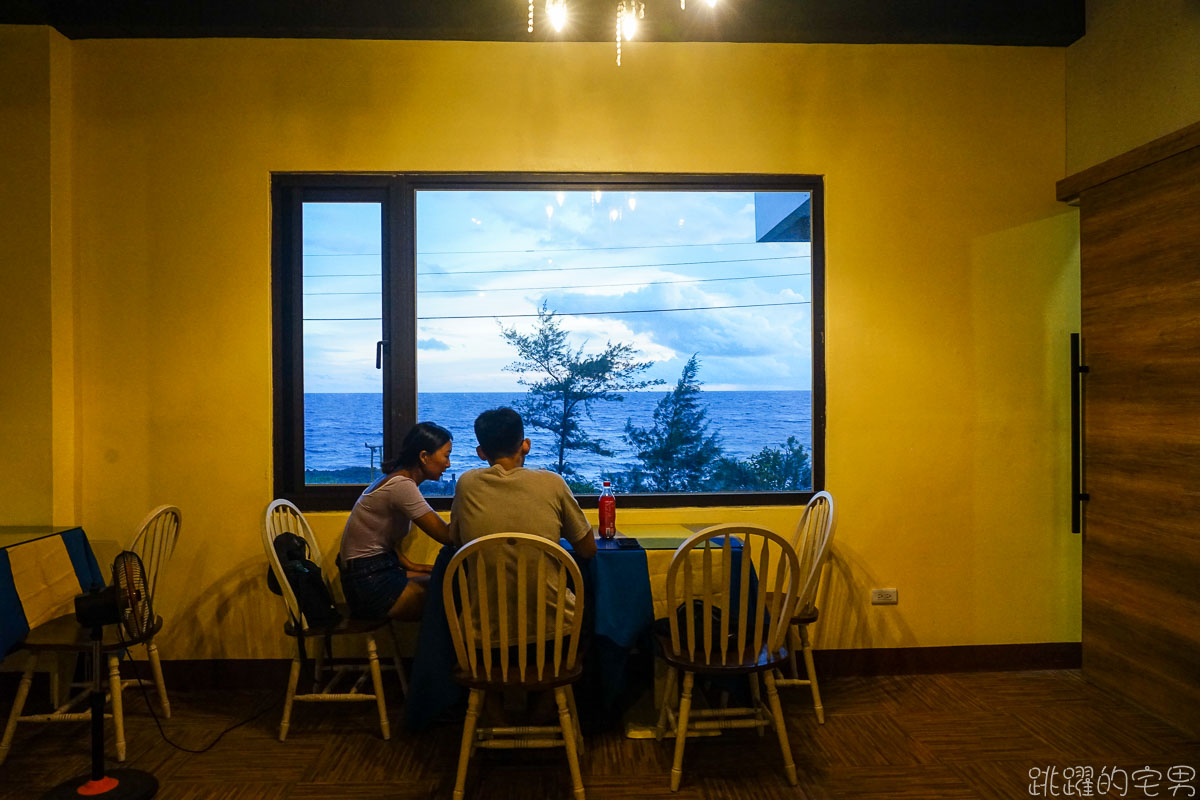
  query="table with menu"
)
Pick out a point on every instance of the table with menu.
point(42, 569)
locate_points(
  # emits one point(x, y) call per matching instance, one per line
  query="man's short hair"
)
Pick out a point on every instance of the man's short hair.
point(500, 432)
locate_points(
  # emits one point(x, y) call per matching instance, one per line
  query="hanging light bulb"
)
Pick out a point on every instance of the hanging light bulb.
point(629, 24)
point(629, 14)
point(556, 10)
point(620, 24)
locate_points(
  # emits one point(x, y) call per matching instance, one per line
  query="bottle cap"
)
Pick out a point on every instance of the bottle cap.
point(608, 483)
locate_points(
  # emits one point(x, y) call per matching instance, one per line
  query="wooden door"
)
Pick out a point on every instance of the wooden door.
point(1140, 256)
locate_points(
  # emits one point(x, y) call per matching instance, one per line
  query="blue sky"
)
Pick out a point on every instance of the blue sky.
point(502, 253)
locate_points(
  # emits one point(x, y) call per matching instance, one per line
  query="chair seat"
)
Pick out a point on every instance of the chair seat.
point(346, 627)
point(529, 680)
point(66, 634)
point(736, 663)
point(803, 616)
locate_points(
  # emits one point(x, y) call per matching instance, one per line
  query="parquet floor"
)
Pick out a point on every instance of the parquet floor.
point(926, 737)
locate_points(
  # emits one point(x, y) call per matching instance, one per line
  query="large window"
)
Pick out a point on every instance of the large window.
point(660, 332)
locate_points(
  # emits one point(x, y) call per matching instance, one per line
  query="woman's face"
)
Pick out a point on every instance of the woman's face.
point(437, 462)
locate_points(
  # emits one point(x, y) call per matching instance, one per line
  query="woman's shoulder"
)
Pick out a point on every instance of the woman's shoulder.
point(396, 483)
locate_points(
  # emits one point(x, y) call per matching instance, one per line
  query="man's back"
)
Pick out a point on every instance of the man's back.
point(498, 500)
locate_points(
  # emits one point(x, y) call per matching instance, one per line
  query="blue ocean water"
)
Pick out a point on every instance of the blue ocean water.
point(339, 426)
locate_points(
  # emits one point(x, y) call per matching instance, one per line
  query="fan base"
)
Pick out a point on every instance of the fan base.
point(130, 784)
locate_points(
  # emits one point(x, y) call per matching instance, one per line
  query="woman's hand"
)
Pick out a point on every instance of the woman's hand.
point(412, 567)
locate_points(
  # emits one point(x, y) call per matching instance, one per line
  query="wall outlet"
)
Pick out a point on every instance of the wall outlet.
point(884, 597)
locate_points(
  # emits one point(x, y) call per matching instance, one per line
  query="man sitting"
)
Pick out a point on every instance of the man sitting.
point(505, 497)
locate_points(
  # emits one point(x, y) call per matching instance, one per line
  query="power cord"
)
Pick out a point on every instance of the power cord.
point(158, 723)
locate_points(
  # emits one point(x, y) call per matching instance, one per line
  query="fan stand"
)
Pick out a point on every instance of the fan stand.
point(120, 784)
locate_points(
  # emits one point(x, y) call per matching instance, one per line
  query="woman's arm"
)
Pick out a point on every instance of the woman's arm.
point(433, 525)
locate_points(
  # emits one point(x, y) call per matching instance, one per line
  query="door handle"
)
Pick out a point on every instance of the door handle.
point(1078, 495)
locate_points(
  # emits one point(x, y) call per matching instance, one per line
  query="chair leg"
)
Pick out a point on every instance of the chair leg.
point(397, 662)
point(668, 698)
point(575, 718)
point(18, 705)
point(789, 765)
point(159, 685)
point(567, 726)
point(118, 712)
point(812, 674)
point(468, 741)
point(319, 664)
point(377, 682)
point(55, 687)
point(756, 700)
point(293, 679)
point(685, 708)
point(794, 644)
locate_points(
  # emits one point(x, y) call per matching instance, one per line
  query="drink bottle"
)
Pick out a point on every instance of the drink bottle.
point(608, 512)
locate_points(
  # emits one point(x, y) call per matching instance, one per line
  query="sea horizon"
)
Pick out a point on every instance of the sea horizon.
point(341, 427)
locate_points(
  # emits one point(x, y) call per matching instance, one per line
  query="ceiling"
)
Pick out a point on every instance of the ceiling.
point(1055, 23)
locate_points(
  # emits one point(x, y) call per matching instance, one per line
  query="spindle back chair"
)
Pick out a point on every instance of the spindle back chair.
point(730, 619)
point(514, 603)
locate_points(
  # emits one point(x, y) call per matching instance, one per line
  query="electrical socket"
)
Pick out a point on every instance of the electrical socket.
point(884, 597)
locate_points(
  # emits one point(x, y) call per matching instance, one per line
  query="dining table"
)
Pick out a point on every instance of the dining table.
point(42, 569)
point(624, 593)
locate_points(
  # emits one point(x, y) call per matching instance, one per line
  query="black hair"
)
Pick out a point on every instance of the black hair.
point(500, 432)
point(424, 437)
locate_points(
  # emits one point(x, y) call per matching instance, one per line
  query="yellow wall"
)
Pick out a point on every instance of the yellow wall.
point(951, 286)
point(1135, 76)
point(26, 67)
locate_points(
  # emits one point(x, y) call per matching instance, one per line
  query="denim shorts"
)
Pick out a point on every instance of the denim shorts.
point(372, 584)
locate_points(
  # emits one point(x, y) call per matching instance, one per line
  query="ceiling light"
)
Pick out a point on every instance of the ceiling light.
point(629, 14)
point(556, 10)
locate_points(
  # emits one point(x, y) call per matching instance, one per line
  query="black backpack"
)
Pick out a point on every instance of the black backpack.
point(305, 579)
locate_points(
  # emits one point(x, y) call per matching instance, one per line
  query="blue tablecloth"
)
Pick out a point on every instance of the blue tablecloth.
point(71, 545)
point(618, 612)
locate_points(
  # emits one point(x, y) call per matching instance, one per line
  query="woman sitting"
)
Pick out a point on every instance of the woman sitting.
point(378, 581)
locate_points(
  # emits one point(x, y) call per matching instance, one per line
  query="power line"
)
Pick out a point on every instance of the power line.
point(571, 313)
point(539, 250)
point(579, 249)
point(567, 269)
point(575, 286)
point(612, 266)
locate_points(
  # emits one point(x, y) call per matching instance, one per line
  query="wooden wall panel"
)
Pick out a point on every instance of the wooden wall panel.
point(1140, 254)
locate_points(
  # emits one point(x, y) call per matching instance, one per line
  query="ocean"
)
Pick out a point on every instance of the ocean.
point(338, 427)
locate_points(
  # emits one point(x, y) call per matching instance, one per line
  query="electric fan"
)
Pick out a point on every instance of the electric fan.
point(124, 603)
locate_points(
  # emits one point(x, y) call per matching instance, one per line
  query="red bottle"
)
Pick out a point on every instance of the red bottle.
point(608, 512)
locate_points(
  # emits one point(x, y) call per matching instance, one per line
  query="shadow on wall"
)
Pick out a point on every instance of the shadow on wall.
point(234, 617)
point(848, 620)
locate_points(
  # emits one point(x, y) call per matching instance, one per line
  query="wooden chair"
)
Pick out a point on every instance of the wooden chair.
point(749, 640)
point(506, 598)
point(813, 536)
point(154, 544)
point(62, 637)
point(282, 516)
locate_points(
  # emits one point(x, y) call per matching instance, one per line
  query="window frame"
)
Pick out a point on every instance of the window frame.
point(396, 193)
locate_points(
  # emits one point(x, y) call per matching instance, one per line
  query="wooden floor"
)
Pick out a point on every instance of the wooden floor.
point(963, 735)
